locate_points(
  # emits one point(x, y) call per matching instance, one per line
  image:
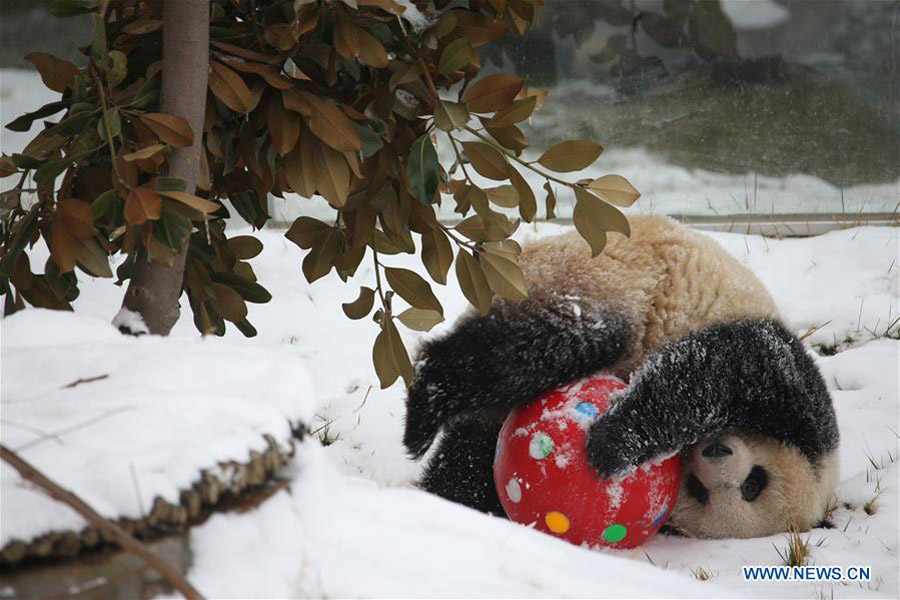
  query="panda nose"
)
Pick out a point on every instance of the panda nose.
point(717, 450)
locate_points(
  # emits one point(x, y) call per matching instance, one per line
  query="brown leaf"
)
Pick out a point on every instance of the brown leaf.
point(195, 202)
point(93, 257)
point(512, 114)
point(142, 26)
point(307, 232)
point(331, 125)
point(550, 202)
point(472, 282)
point(571, 155)
point(487, 160)
point(450, 115)
point(410, 286)
point(419, 319)
point(527, 201)
point(398, 352)
point(387, 5)
point(437, 254)
point(333, 175)
point(346, 37)
point(296, 102)
point(509, 137)
point(229, 303)
point(478, 28)
point(492, 92)
point(371, 51)
point(383, 361)
point(362, 306)
point(321, 257)
point(504, 276)
point(62, 247)
point(145, 152)
point(169, 128)
point(615, 189)
point(268, 73)
point(284, 125)
point(299, 165)
point(229, 87)
point(142, 204)
point(503, 195)
point(244, 52)
point(593, 218)
point(76, 214)
point(245, 247)
point(56, 73)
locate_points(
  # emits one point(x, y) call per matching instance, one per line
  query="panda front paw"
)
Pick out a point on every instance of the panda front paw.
point(608, 451)
point(424, 418)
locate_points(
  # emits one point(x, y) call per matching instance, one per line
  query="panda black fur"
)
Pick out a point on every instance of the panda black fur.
point(713, 375)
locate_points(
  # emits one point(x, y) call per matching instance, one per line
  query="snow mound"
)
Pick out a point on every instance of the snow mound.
point(121, 420)
point(338, 536)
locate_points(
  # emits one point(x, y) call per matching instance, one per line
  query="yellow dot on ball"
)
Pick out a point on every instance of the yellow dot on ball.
point(557, 522)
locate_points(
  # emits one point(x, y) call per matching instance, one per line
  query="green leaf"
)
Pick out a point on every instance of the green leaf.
point(504, 276)
point(456, 55)
point(410, 286)
point(371, 141)
point(362, 306)
point(24, 122)
point(72, 8)
point(423, 170)
point(472, 282)
point(419, 319)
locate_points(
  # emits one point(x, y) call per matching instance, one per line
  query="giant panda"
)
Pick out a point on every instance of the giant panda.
point(713, 374)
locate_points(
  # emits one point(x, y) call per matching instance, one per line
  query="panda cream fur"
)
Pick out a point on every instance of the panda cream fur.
point(713, 375)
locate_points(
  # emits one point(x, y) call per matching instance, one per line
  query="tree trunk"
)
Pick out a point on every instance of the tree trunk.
point(154, 289)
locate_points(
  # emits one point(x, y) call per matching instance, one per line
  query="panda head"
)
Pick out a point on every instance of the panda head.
point(738, 485)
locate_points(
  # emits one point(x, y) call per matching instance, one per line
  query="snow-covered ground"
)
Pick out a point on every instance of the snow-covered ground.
point(351, 523)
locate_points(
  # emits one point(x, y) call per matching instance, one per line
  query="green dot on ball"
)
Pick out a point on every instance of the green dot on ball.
point(615, 533)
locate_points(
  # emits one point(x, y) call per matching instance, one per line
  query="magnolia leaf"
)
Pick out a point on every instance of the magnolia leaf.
point(142, 26)
point(76, 214)
point(245, 247)
point(306, 232)
point(423, 170)
point(514, 113)
point(169, 128)
point(371, 51)
point(478, 28)
point(331, 125)
point(472, 282)
point(571, 155)
point(550, 201)
point(383, 361)
point(229, 303)
point(145, 152)
point(410, 286)
point(487, 160)
point(284, 125)
point(387, 5)
point(56, 73)
point(346, 37)
point(607, 215)
point(504, 276)
point(419, 319)
point(510, 137)
point(24, 122)
point(527, 202)
point(62, 247)
point(437, 254)
point(143, 204)
point(229, 87)
point(456, 55)
point(320, 259)
point(195, 202)
point(399, 356)
point(615, 189)
point(93, 258)
point(249, 290)
point(362, 306)
point(492, 93)
point(506, 196)
point(450, 115)
point(333, 175)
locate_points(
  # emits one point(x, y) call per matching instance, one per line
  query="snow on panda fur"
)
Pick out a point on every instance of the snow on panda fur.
point(713, 374)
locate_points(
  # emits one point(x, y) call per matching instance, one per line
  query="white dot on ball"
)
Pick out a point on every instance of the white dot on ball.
point(514, 490)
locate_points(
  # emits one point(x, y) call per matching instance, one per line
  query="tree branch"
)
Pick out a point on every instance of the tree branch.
point(119, 535)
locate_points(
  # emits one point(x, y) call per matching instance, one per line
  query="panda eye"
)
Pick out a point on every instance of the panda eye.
point(697, 490)
point(754, 484)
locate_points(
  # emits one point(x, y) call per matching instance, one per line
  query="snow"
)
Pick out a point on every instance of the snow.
point(122, 420)
point(755, 14)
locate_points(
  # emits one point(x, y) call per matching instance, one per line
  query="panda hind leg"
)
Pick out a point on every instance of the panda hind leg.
point(462, 466)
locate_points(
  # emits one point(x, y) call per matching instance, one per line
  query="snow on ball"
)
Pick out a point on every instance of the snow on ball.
point(544, 479)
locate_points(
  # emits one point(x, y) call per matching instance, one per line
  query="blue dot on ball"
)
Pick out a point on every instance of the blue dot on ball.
point(586, 410)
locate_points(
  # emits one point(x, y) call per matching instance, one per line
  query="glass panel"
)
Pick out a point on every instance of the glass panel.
point(722, 109)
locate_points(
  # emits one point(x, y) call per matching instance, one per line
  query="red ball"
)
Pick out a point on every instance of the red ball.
point(544, 479)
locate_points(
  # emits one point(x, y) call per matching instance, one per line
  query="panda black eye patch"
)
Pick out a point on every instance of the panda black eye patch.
point(754, 484)
point(697, 490)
